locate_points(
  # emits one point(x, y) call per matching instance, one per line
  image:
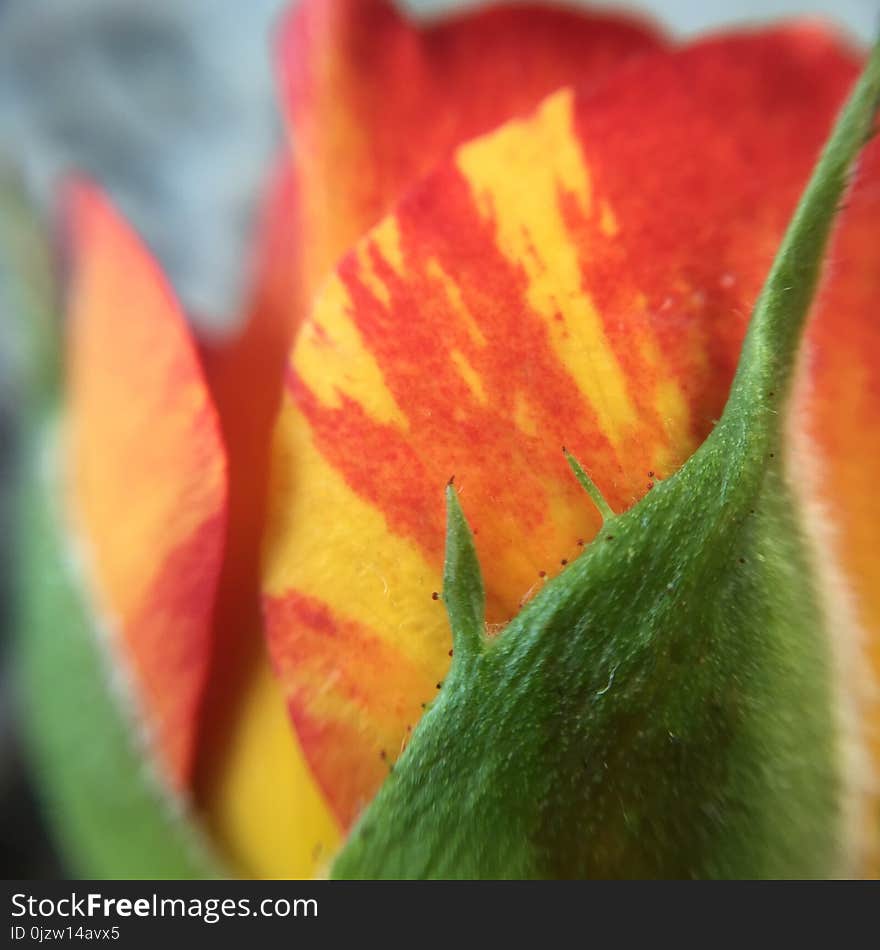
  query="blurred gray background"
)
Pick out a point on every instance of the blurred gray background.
point(170, 105)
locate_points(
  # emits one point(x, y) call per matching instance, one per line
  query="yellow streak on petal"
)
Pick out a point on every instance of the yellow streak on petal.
point(266, 812)
point(470, 376)
point(327, 543)
point(524, 416)
point(675, 413)
point(434, 270)
point(331, 359)
point(368, 275)
point(668, 400)
point(386, 237)
point(384, 240)
point(517, 175)
point(607, 220)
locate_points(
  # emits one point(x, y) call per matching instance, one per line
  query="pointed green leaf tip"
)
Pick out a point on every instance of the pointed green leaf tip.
point(588, 485)
point(664, 707)
point(462, 582)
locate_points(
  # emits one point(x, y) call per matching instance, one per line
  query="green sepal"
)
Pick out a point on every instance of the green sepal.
point(588, 485)
point(463, 593)
point(110, 813)
point(665, 706)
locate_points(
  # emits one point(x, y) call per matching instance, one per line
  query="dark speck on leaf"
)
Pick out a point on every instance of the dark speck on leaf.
point(435, 596)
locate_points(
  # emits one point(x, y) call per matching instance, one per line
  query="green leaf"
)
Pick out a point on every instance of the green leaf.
point(664, 707)
point(111, 815)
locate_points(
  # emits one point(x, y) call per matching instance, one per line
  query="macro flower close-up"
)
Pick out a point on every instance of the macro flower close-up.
point(525, 523)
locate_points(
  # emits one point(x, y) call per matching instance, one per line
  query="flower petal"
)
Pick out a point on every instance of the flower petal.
point(374, 102)
point(581, 277)
point(260, 799)
point(146, 468)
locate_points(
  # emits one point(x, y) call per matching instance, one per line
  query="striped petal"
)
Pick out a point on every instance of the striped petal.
point(581, 277)
point(146, 472)
point(373, 101)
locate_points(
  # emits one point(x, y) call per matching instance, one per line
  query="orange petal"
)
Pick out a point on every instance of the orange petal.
point(580, 277)
point(374, 102)
point(839, 464)
point(147, 473)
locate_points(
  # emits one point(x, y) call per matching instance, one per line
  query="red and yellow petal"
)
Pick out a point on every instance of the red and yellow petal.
point(374, 101)
point(583, 276)
point(260, 801)
point(146, 472)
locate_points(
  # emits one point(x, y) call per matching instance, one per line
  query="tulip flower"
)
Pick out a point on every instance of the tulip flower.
point(495, 545)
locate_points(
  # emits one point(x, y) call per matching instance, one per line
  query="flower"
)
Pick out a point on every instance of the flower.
point(504, 233)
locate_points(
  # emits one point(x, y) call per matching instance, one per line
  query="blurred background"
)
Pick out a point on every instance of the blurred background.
point(170, 105)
